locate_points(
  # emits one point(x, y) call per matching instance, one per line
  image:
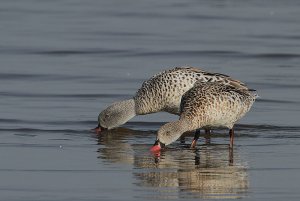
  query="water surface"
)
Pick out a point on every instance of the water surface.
point(62, 62)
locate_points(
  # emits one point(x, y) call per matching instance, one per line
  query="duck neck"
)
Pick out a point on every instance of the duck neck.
point(117, 114)
point(182, 125)
point(171, 131)
point(187, 125)
point(128, 107)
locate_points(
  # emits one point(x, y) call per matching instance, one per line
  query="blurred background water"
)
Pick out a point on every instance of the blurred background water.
point(62, 62)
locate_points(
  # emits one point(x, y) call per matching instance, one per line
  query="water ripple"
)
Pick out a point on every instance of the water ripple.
point(132, 125)
point(40, 95)
point(36, 130)
point(275, 101)
point(147, 53)
point(40, 77)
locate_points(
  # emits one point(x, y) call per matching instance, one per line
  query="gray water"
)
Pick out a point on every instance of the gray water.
point(62, 62)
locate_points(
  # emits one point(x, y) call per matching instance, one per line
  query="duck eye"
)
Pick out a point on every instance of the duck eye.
point(107, 115)
point(168, 133)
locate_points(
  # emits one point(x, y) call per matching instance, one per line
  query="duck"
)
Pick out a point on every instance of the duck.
point(161, 93)
point(207, 105)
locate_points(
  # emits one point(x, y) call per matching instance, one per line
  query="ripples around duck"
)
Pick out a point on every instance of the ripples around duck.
point(212, 171)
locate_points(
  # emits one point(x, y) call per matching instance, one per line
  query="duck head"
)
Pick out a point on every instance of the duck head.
point(115, 115)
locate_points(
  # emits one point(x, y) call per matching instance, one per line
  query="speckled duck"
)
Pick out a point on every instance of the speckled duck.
point(207, 105)
point(162, 92)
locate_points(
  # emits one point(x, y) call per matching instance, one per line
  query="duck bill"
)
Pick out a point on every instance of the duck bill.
point(98, 129)
point(156, 147)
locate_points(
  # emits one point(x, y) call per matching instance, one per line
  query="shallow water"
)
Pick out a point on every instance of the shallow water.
point(64, 61)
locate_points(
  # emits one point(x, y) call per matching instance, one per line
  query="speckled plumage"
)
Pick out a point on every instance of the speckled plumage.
point(208, 105)
point(163, 91)
point(211, 105)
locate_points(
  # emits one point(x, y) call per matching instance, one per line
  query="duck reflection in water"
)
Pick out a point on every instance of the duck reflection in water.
point(211, 171)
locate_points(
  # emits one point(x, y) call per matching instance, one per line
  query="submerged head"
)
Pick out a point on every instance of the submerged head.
point(169, 133)
point(116, 115)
